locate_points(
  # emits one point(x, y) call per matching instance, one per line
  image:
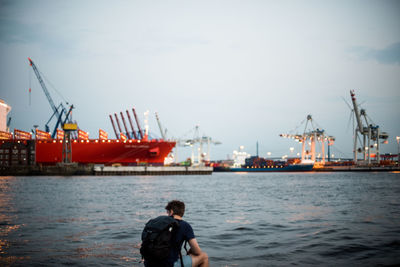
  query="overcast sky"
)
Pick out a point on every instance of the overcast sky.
point(244, 71)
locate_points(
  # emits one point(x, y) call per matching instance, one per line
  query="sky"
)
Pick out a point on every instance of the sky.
point(242, 71)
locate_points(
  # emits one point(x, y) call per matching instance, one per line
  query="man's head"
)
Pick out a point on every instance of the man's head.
point(177, 207)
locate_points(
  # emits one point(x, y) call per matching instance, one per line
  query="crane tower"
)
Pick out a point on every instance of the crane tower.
point(371, 134)
point(59, 113)
point(312, 137)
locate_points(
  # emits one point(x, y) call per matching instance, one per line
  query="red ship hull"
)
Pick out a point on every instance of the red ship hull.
point(108, 152)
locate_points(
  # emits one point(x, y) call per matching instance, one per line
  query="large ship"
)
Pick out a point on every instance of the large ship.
point(73, 145)
point(243, 162)
point(107, 152)
point(276, 166)
point(258, 164)
point(23, 148)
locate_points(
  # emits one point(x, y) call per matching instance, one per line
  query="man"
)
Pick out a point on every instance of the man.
point(196, 257)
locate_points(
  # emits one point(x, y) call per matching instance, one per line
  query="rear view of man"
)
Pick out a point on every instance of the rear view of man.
point(196, 257)
point(163, 238)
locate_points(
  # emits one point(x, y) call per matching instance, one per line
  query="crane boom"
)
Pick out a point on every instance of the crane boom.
point(130, 122)
point(137, 123)
point(126, 128)
point(59, 111)
point(159, 126)
point(113, 125)
point(46, 92)
point(356, 112)
point(119, 126)
point(67, 116)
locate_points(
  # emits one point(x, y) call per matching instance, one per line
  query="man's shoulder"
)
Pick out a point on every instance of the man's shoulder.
point(186, 229)
point(183, 223)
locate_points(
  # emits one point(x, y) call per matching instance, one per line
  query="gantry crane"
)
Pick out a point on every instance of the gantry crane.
point(369, 131)
point(315, 135)
point(59, 112)
point(197, 139)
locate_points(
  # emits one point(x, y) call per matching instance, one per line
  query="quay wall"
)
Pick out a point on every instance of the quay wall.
point(90, 169)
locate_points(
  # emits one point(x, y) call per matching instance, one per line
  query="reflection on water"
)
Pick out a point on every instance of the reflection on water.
point(8, 217)
point(307, 213)
point(239, 219)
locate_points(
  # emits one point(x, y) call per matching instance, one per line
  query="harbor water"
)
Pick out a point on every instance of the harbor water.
point(239, 219)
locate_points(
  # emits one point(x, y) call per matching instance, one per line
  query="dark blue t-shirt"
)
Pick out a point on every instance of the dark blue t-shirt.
point(184, 233)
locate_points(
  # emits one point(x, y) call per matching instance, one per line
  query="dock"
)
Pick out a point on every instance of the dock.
point(152, 170)
point(72, 169)
point(358, 169)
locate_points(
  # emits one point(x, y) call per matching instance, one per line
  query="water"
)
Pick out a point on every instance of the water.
point(261, 219)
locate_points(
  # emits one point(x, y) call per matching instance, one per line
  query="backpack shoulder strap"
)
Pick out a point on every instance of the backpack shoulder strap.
point(180, 253)
point(180, 256)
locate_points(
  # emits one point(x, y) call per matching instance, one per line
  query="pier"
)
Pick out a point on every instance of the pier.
point(357, 169)
point(152, 170)
point(72, 169)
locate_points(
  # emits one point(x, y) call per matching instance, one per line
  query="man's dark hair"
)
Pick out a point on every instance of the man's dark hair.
point(178, 207)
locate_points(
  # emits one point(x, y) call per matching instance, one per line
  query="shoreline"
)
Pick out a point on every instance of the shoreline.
point(100, 170)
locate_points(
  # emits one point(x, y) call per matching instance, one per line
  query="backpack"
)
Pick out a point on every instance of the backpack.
point(156, 240)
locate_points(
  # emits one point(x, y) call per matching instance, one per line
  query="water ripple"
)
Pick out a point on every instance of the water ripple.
point(270, 219)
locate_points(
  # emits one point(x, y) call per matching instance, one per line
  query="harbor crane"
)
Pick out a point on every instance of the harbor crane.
point(312, 137)
point(162, 131)
point(60, 112)
point(370, 132)
point(197, 139)
point(68, 129)
point(129, 134)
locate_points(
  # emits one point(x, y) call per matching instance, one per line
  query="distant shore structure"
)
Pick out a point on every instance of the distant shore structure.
point(4, 110)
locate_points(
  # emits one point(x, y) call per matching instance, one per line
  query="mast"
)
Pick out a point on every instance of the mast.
point(257, 148)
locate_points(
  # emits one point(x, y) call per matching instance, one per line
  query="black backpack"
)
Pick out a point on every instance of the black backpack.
point(156, 240)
